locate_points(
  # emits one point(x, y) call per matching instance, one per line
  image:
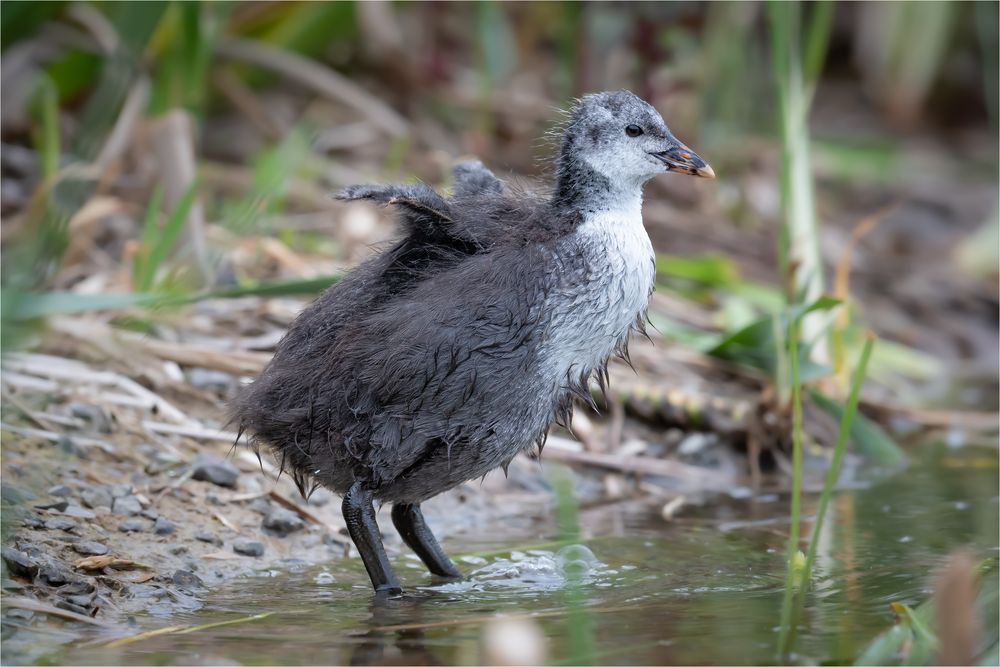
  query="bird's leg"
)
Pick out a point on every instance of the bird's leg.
point(360, 517)
point(409, 521)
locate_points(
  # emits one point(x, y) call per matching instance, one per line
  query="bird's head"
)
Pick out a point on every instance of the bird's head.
point(624, 139)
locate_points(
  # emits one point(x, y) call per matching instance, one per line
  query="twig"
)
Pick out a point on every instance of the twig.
point(557, 449)
point(41, 607)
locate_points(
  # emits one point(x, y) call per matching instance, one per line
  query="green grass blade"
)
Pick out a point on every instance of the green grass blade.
point(150, 226)
point(167, 238)
point(787, 633)
point(843, 434)
point(817, 39)
point(47, 131)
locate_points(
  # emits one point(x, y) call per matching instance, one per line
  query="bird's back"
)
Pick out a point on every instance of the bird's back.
point(400, 361)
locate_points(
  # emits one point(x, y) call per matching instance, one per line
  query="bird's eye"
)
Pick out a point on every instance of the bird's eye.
point(633, 130)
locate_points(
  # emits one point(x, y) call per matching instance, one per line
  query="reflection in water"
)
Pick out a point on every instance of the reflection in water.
point(404, 645)
point(655, 592)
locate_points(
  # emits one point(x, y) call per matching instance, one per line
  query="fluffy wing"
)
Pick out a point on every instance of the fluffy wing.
point(472, 179)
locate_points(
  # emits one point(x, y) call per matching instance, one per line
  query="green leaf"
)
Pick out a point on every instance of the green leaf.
point(754, 344)
point(713, 270)
point(23, 306)
point(283, 288)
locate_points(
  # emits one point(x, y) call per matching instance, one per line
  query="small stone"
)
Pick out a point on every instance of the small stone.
point(132, 526)
point(78, 512)
point(281, 521)
point(99, 496)
point(187, 580)
point(32, 522)
point(163, 526)
point(248, 547)
point(18, 562)
point(179, 550)
point(81, 600)
point(152, 515)
point(127, 506)
point(69, 606)
point(55, 507)
point(120, 490)
point(60, 491)
point(213, 469)
point(211, 538)
point(59, 523)
point(260, 505)
point(95, 414)
point(88, 548)
point(54, 575)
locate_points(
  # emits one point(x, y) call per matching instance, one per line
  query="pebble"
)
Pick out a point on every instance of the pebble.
point(120, 490)
point(216, 470)
point(126, 505)
point(18, 562)
point(211, 538)
point(69, 606)
point(78, 512)
point(94, 414)
point(186, 579)
point(152, 515)
point(32, 522)
point(132, 526)
point(56, 507)
point(163, 526)
point(54, 575)
point(59, 523)
point(281, 521)
point(99, 496)
point(88, 548)
point(260, 505)
point(60, 491)
point(248, 547)
point(179, 550)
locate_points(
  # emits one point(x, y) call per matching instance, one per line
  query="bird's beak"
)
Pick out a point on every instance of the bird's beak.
point(684, 160)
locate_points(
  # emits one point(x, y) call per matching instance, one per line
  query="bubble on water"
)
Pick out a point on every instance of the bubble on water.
point(473, 560)
point(536, 570)
point(324, 578)
point(904, 539)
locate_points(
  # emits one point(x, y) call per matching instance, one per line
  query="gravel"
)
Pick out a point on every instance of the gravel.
point(280, 521)
point(88, 548)
point(132, 526)
point(127, 506)
point(163, 526)
point(248, 547)
point(216, 470)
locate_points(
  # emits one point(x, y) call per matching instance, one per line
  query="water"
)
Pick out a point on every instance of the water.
point(704, 589)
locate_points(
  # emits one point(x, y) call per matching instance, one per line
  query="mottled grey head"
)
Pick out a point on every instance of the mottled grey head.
point(624, 139)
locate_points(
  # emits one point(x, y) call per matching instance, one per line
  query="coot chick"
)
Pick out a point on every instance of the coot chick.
point(443, 357)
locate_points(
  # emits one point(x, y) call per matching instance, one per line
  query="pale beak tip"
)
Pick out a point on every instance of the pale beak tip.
point(706, 172)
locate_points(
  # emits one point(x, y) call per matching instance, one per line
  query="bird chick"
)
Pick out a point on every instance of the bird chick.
point(444, 356)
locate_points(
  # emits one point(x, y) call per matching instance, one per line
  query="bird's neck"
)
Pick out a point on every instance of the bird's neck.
point(582, 188)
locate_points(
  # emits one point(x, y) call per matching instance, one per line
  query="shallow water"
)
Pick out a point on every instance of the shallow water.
point(706, 588)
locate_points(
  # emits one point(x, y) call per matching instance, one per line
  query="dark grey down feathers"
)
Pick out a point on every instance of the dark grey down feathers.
point(426, 365)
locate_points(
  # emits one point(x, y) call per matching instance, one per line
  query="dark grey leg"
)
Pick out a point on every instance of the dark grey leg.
point(360, 517)
point(409, 521)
